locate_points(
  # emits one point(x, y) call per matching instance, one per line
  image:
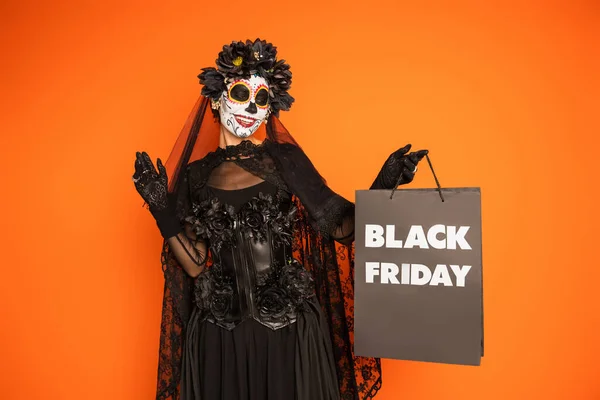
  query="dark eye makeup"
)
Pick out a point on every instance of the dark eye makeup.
point(239, 92)
point(262, 97)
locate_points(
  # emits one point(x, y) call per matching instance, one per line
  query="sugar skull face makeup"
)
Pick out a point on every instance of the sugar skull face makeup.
point(244, 105)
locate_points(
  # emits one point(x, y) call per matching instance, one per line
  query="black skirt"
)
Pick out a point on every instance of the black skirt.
point(253, 362)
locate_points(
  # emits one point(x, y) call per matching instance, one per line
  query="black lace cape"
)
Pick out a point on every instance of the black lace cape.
point(331, 264)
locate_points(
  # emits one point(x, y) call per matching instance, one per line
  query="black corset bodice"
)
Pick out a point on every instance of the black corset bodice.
point(253, 274)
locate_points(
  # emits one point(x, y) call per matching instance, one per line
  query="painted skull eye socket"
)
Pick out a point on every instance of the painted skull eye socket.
point(240, 92)
point(262, 97)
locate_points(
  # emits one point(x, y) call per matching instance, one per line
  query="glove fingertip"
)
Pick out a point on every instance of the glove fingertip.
point(401, 152)
point(161, 167)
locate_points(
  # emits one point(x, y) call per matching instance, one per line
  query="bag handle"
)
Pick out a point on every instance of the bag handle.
point(434, 177)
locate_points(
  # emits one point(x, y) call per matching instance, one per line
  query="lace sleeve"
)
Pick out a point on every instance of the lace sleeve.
point(344, 230)
point(190, 252)
point(185, 247)
point(328, 212)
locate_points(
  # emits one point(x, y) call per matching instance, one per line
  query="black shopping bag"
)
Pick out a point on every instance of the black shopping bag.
point(418, 275)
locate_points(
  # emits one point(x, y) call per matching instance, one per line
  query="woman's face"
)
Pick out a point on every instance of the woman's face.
point(244, 105)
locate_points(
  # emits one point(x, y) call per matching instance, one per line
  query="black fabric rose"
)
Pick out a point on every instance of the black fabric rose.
point(265, 203)
point(196, 220)
point(203, 289)
point(219, 223)
point(214, 221)
point(221, 299)
point(214, 292)
point(253, 224)
point(254, 219)
point(220, 303)
point(255, 214)
point(272, 302)
point(296, 282)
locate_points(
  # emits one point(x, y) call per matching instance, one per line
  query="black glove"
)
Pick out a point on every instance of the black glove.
point(399, 164)
point(153, 186)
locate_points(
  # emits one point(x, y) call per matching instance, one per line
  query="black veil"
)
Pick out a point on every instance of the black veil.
point(323, 214)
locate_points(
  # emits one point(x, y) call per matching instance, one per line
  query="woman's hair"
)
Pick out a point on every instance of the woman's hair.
point(240, 60)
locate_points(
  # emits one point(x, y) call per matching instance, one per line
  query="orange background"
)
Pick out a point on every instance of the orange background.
point(505, 96)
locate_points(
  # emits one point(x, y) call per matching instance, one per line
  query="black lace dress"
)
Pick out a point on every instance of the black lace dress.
point(271, 315)
point(257, 331)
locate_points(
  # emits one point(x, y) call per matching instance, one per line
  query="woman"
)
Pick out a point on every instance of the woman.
point(258, 257)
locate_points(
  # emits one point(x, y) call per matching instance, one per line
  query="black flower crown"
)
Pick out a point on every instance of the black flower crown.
point(241, 60)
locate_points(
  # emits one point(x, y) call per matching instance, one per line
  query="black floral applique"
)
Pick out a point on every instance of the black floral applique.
point(283, 292)
point(296, 281)
point(214, 295)
point(214, 221)
point(254, 216)
point(263, 212)
point(280, 293)
point(273, 304)
point(282, 227)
